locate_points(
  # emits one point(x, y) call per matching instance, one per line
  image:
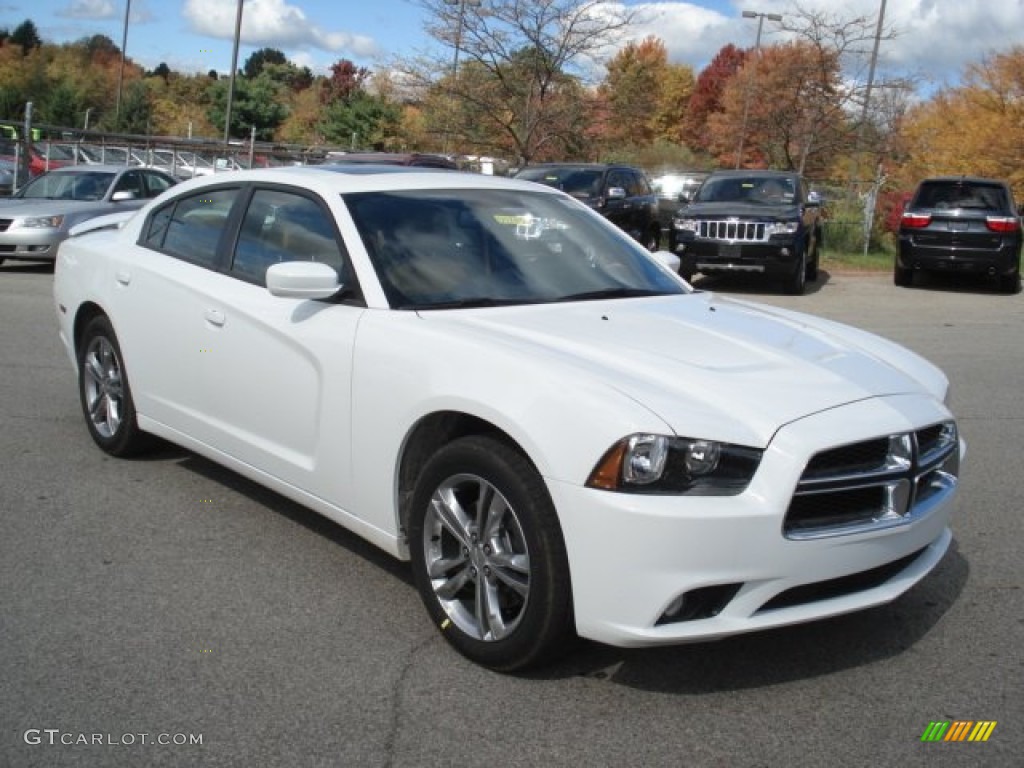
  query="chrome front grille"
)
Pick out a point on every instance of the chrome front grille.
point(876, 483)
point(733, 230)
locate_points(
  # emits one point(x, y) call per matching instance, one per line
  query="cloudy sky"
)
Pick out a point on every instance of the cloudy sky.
point(936, 38)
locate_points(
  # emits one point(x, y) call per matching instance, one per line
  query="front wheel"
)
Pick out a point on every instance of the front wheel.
point(796, 282)
point(488, 555)
point(652, 240)
point(104, 393)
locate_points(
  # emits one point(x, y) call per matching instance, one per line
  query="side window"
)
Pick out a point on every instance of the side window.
point(617, 179)
point(130, 182)
point(190, 227)
point(284, 226)
point(157, 183)
point(640, 185)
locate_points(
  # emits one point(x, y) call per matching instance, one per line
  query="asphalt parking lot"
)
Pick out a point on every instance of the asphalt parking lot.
point(170, 598)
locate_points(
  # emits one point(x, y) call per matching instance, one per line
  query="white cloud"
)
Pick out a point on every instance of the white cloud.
point(89, 9)
point(935, 38)
point(272, 23)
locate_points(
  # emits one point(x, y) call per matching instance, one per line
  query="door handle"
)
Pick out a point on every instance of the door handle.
point(123, 277)
point(215, 317)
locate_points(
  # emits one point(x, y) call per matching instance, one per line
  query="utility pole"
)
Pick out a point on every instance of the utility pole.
point(234, 72)
point(746, 90)
point(120, 71)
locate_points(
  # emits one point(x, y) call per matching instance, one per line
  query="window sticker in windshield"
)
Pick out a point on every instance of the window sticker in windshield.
point(528, 226)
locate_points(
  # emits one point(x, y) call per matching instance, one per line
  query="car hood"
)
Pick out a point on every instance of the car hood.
point(745, 210)
point(32, 208)
point(707, 366)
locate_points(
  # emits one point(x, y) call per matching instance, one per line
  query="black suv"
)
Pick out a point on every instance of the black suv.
point(766, 222)
point(620, 193)
point(960, 224)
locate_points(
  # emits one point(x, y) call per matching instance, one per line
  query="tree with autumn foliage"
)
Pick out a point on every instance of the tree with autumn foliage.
point(976, 128)
point(787, 104)
point(706, 98)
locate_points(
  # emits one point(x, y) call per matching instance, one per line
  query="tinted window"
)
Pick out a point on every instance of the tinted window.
point(962, 195)
point(191, 227)
point(283, 226)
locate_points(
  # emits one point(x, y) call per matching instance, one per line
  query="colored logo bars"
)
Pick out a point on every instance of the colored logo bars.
point(959, 730)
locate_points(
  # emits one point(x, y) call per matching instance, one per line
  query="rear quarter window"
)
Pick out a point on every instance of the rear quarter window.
point(949, 195)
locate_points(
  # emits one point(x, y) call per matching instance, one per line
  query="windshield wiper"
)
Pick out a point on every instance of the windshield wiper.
point(611, 293)
point(480, 301)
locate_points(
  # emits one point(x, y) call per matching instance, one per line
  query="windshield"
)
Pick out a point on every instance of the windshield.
point(773, 190)
point(474, 247)
point(86, 185)
point(578, 182)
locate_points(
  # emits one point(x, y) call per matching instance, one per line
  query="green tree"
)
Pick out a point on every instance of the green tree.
point(256, 62)
point(362, 121)
point(256, 104)
point(27, 36)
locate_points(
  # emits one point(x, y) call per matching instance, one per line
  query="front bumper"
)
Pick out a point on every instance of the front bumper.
point(631, 556)
point(772, 257)
point(30, 244)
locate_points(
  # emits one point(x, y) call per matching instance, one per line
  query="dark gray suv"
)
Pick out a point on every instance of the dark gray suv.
point(620, 193)
point(960, 224)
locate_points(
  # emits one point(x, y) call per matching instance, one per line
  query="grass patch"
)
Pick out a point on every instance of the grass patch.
point(873, 261)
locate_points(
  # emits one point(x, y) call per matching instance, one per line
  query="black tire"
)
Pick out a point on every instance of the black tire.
point(815, 262)
point(104, 393)
point(902, 277)
point(511, 545)
point(796, 282)
point(1010, 284)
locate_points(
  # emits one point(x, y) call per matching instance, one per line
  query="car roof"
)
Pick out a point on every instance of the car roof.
point(98, 168)
point(752, 172)
point(962, 180)
point(342, 179)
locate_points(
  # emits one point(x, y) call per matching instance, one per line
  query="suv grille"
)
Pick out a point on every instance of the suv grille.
point(732, 229)
point(876, 483)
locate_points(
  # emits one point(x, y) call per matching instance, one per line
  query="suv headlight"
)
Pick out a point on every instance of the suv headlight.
point(42, 222)
point(782, 228)
point(685, 225)
point(659, 464)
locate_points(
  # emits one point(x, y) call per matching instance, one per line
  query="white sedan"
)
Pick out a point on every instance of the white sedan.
point(486, 378)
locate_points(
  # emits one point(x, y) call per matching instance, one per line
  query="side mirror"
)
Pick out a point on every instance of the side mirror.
point(121, 195)
point(813, 199)
point(616, 193)
point(302, 280)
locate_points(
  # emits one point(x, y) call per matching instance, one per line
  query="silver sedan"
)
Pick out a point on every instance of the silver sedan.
point(35, 220)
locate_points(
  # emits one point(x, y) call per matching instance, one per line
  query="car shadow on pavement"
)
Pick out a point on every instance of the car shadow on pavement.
point(285, 507)
point(27, 267)
point(753, 284)
point(783, 655)
point(943, 282)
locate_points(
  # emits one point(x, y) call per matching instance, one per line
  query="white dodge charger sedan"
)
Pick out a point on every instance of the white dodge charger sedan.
point(486, 378)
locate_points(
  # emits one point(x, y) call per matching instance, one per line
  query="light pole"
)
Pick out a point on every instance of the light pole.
point(87, 113)
point(234, 71)
point(455, 61)
point(746, 89)
point(120, 71)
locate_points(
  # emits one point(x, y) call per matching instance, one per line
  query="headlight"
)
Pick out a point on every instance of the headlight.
point(782, 228)
point(686, 225)
point(43, 222)
point(660, 464)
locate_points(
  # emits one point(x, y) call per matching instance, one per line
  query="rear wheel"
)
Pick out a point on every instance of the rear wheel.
point(902, 277)
point(488, 555)
point(1010, 283)
point(104, 393)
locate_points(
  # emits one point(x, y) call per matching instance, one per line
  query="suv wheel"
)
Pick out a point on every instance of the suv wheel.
point(902, 277)
point(1010, 283)
point(652, 241)
point(797, 281)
